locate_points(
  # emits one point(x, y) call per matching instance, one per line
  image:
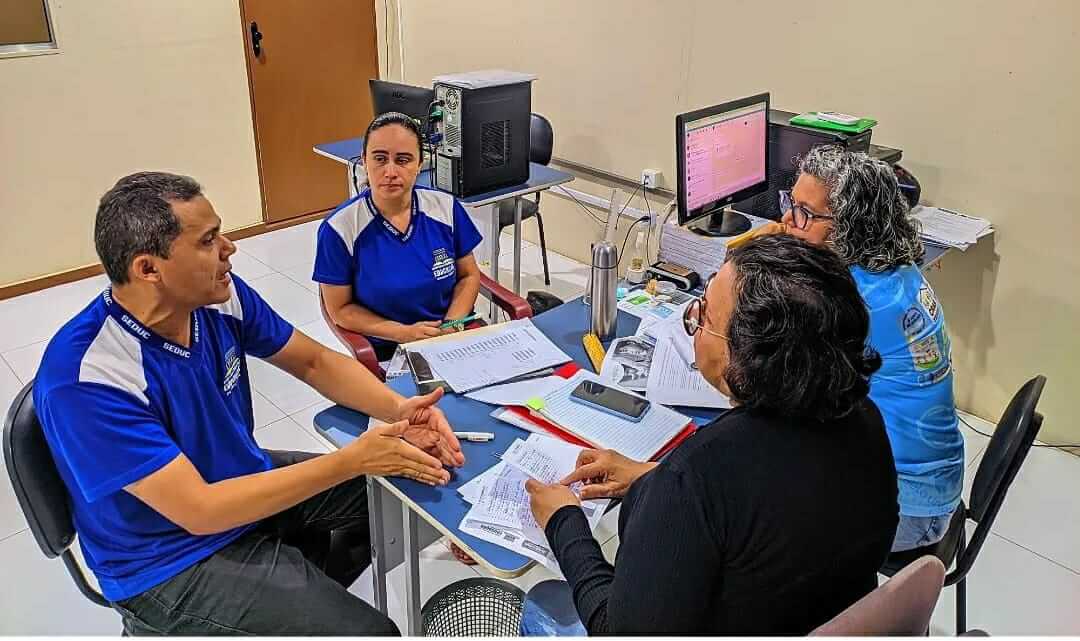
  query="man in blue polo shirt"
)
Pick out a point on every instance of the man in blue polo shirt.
point(189, 527)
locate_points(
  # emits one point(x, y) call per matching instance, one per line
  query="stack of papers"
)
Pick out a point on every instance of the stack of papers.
point(949, 228)
point(483, 358)
point(703, 254)
point(500, 511)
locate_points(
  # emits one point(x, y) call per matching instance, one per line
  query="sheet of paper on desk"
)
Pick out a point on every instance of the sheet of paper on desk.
point(514, 540)
point(504, 501)
point(626, 362)
point(950, 228)
point(672, 382)
point(516, 393)
point(472, 362)
point(650, 310)
point(396, 366)
point(638, 441)
point(672, 328)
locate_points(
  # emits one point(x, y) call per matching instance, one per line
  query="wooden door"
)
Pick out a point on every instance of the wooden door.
point(309, 85)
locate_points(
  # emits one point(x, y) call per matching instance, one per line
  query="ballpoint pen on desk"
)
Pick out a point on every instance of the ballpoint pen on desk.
point(475, 437)
point(459, 322)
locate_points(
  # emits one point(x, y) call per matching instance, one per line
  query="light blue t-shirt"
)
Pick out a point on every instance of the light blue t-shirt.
point(914, 388)
point(118, 402)
point(407, 276)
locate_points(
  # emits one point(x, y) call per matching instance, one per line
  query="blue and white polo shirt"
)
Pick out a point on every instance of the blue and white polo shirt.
point(405, 277)
point(118, 402)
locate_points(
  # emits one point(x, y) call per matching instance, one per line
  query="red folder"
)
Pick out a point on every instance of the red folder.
point(566, 371)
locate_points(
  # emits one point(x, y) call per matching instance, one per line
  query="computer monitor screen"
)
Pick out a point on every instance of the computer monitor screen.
point(722, 154)
point(407, 99)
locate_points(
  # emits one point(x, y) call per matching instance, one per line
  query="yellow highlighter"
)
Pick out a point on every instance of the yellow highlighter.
point(594, 349)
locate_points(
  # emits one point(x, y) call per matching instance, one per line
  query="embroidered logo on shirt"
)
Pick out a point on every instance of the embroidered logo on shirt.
point(929, 301)
point(926, 354)
point(442, 265)
point(912, 323)
point(232, 370)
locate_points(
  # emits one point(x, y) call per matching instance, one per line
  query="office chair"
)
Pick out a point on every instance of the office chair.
point(899, 607)
point(541, 142)
point(1004, 455)
point(360, 347)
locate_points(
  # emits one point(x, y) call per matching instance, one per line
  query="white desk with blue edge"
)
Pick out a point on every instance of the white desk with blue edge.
point(541, 177)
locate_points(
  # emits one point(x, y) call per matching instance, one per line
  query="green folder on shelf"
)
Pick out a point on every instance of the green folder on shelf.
point(810, 119)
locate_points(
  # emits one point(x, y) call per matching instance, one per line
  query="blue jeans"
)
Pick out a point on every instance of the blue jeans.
point(918, 531)
point(549, 611)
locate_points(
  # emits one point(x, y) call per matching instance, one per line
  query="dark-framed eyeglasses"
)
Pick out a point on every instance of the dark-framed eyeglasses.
point(800, 215)
point(694, 315)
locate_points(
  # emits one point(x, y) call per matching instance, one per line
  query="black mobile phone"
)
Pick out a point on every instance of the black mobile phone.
point(611, 400)
point(426, 381)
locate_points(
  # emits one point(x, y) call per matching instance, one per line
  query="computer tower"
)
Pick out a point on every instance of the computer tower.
point(485, 142)
point(787, 144)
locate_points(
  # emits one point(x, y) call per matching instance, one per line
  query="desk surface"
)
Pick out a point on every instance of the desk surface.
point(443, 507)
point(541, 177)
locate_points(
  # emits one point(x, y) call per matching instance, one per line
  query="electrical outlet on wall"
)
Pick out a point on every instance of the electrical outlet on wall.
point(650, 178)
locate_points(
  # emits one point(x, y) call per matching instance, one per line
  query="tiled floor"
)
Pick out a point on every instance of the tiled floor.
point(1026, 580)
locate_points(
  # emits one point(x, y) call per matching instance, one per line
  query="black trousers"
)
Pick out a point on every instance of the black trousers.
point(272, 580)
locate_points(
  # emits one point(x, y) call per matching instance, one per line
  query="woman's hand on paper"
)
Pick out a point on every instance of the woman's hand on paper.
point(546, 500)
point(606, 473)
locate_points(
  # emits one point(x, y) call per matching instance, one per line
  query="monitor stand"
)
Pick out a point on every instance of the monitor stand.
point(725, 222)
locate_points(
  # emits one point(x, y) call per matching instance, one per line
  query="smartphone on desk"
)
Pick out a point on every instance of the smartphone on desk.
point(610, 400)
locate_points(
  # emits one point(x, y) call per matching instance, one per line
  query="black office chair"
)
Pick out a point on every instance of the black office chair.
point(541, 142)
point(41, 492)
point(1004, 455)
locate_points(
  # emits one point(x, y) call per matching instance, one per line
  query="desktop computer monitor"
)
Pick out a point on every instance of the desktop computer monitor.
point(406, 99)
point(722, 154)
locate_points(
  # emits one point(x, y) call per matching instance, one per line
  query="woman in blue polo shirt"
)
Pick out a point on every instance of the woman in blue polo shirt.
point(396, 261)
point(852, 204)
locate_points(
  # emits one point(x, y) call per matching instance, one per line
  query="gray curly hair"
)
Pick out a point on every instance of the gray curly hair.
point(872, 225)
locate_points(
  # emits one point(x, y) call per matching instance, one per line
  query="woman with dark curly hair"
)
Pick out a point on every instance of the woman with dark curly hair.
point(852, 204)
point(745, 528)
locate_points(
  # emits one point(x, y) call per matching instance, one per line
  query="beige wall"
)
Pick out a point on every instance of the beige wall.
point(982, 96)
point(137, 85)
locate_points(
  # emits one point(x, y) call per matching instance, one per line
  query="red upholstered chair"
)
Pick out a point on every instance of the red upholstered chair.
point(515, 306)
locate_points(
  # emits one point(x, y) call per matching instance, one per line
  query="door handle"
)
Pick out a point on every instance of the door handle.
point(256, 39)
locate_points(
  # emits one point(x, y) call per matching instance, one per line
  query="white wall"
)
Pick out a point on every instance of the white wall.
point(982, 96)
point(138, 85)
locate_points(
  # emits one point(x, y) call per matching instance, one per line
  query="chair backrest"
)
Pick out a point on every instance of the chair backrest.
point(541, 139)
point(900, 606)
point(1008, 448)
point(39, 489)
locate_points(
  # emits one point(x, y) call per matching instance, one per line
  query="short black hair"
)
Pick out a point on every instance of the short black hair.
point(395, 118)
point(797, 336)
point(136, 217)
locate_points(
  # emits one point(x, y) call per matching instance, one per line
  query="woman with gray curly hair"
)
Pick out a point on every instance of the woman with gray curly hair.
point(852, 204)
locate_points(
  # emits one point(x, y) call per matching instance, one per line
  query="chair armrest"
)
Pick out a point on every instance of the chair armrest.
point(515, 306)
point(357, 344)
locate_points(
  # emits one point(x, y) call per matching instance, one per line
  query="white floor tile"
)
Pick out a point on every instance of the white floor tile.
point(301, 275)
point(608, 528)
point(305, 418)
point(282, 248)
point(320, 331)
point(288, 393)
point(248, 267)
point(285, 434)
point(1011, 591)
point(38, 597)
point(294, 303)
point(610, 549)
point(36, 316)
point(438, 569)
point(265, 411)
point(25, 360)
point(9, 386)
point(536, 574)
point(12, 520)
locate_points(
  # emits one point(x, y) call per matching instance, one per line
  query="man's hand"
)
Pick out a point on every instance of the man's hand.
point(606, 473)
point(381, 452)
point(429, 430)
point(545, 500)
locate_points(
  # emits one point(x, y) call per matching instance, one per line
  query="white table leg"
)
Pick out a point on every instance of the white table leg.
point(517, 244)
point(378, 544)
point(412, 571)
